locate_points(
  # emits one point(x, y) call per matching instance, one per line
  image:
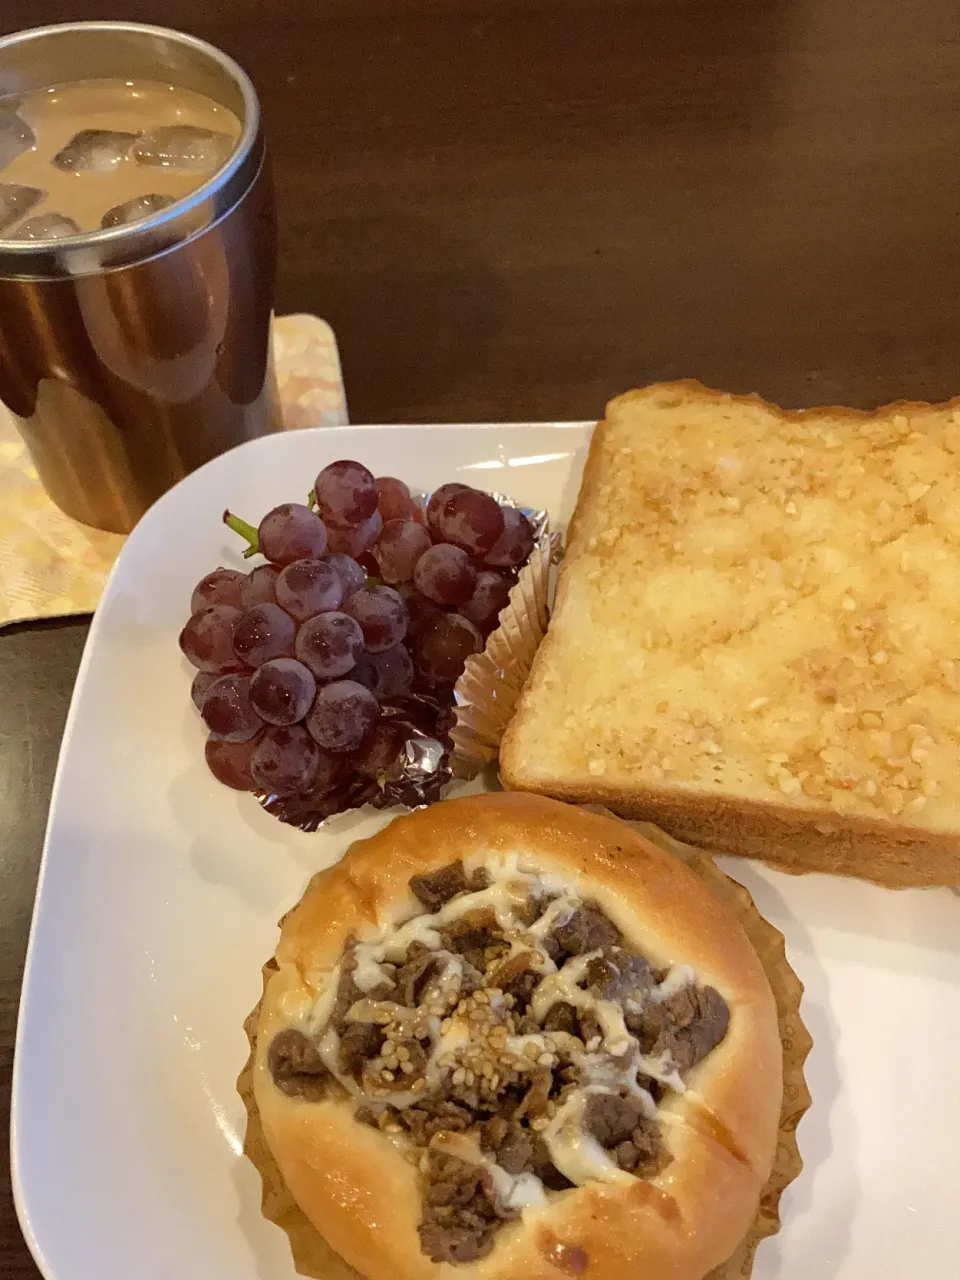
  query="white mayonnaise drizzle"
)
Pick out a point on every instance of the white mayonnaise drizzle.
point(678, 977)
point(563, 987)
point(611, 1068)
point(515, 1191)
point(576, 1153)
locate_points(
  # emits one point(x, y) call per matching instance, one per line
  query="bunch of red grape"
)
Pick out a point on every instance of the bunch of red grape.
point(316, 669)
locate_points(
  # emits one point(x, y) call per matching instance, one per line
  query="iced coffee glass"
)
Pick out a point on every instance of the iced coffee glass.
point(137, 261)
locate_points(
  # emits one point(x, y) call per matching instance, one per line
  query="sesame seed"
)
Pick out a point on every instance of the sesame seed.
point(387, 1076)
point(539, 1124)
point(459, 1076)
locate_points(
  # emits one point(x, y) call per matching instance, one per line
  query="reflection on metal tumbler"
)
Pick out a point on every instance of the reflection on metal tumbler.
point(132, 355)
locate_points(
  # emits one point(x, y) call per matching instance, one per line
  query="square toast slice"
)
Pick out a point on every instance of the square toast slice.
point(756, 637)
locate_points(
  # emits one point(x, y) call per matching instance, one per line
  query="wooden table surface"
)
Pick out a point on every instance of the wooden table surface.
point(514, 210)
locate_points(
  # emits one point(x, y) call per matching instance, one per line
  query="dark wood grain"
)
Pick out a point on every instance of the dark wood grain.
point(514, 210)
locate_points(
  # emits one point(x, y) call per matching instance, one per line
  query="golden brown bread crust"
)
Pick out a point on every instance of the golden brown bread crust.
point(799, 842)
point(814, 837)
point(360, 1190)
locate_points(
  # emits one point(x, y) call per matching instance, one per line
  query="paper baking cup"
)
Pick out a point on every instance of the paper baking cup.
point(313, 1257)
point(487, 692)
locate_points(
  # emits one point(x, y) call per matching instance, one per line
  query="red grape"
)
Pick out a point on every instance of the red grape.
point(423, 612)
point(379, 754)
point(201, 683)
point(438, 500)
point(227, 712)
point(329, 645)
point(393, 499)
point(382, 616)
point(291, 532)
point(262, 633)
point(446, 647)
point(207, 639)
point(342, 716)
point(490, 596)
point(514, 545)
point(229, 762)
point(308, 587)
point(260, 586)
point(282, 691)
point(386, 674)
point(222, 586)
point(351, 574)
point(346, 493)
point(471, 520)
point(285, 761)
point(354, 540)
point(445, 575)
point(400, 546)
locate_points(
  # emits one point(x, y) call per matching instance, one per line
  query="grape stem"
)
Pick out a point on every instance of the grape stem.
point(245, 530)
point(312, 500)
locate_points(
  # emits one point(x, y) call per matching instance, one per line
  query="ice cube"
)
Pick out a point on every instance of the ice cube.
point(95, 150)
point(184, 146)
point(135, 209)
point(46, 226)
point(16, 136)
point(16, 201)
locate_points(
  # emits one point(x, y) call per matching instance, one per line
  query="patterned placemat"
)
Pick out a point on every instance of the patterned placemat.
point(51, 566)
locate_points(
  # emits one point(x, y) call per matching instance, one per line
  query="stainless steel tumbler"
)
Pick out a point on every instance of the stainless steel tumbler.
point(131, 356)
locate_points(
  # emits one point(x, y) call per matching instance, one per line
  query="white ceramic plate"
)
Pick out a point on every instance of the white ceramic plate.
point(157, 906)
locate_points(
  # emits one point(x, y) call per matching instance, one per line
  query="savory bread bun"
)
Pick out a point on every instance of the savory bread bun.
point(508, 1038)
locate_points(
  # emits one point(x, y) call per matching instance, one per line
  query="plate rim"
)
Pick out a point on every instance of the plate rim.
point(140, 530)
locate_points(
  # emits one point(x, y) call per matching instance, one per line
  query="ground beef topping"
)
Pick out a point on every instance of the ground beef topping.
point(511, 1041)
point(297, 1067)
